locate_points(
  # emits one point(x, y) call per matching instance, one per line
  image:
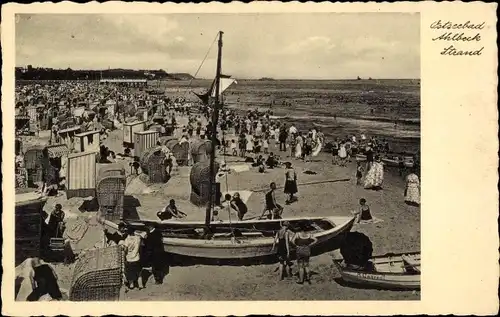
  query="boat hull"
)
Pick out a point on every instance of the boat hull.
point(380, 280)
point(244, 249)
point(247, 249)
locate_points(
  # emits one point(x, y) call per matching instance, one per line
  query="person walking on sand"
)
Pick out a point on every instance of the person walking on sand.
point(283, 237)
point(290, 183)
point(412, 190)
point(303, 242)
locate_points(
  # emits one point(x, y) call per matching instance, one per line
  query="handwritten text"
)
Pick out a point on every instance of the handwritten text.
point(468, 33)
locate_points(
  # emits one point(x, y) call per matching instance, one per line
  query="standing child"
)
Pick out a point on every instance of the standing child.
point(359, 173)
point(249, 143)
point(256, 145)
point(265, 145)
point(234, 151)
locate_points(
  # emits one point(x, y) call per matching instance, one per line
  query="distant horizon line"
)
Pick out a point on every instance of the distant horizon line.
point(233, 76)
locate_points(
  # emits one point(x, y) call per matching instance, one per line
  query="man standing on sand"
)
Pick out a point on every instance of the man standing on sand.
point(155, 254)
point(283, 135)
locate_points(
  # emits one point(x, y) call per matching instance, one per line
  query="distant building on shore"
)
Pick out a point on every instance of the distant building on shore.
point(125, 82)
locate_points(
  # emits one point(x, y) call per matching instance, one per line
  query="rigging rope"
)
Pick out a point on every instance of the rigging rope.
point(201, 65)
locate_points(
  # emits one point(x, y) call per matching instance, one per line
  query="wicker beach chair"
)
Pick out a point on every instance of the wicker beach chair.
point(200, 183)
point(33, 164)
point(112, 170)
point(180, 152)
point(98, 275)
point(170, 143)
point(165, 139)
point(153, 165)
point(110, 197)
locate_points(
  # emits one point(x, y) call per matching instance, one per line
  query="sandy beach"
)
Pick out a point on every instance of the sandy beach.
point(397, 231)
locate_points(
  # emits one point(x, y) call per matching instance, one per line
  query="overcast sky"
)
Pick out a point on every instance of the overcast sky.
point(298, 45)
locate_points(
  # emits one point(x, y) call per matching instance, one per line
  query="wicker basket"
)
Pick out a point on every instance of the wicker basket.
point(98, 275)
point(110, 197)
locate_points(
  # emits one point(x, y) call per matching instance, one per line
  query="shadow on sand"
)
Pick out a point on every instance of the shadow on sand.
point(130, 204)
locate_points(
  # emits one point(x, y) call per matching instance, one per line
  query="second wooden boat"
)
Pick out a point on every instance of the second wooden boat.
point(389, 271)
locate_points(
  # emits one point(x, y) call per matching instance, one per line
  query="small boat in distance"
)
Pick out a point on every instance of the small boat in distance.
point(389, 271)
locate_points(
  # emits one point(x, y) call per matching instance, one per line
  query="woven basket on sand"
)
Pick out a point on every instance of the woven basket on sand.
point(98, 275)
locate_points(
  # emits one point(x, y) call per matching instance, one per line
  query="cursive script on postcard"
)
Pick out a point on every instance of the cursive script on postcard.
point(462, 39)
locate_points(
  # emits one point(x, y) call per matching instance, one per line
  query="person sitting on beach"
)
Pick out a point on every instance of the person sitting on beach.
point(364, 213)
point(272, 161)
point(259, 161)
point(272, 207)
point(170, 212)
point(55, 222)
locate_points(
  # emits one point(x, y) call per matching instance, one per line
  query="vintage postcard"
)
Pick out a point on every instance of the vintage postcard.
point(263, 158)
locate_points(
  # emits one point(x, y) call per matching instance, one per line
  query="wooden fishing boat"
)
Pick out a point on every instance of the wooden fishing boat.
point(389, 271)
point(408, 161)
point(360, 157)
point(391, 161)
point(241, 240)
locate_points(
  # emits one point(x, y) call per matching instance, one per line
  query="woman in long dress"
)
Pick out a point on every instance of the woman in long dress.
point(412, 191)
point(299, 142)
point(375, 176)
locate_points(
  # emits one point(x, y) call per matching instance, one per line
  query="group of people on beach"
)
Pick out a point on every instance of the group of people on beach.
point(251, 135)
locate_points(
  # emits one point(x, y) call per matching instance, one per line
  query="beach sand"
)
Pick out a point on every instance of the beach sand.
point(398, 232)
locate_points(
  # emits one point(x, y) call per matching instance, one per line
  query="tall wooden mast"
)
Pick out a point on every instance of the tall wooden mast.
point(215, 117)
